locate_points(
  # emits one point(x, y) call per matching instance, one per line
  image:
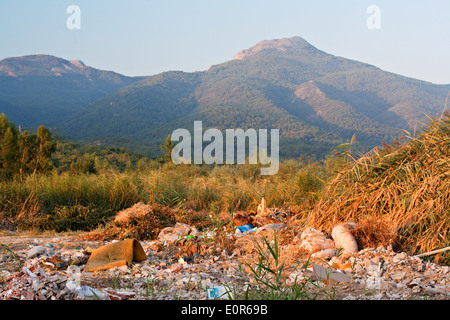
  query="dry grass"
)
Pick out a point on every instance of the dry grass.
point(404, 188)
point(66, 201)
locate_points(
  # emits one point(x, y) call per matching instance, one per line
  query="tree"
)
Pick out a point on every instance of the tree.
point(45, 150)
point(167, 148)
point(9, 148)
point(22, 153)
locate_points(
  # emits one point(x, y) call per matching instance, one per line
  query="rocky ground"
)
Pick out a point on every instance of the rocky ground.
point(51, 268)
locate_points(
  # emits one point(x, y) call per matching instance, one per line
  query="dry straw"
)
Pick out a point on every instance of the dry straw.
point(399, 193)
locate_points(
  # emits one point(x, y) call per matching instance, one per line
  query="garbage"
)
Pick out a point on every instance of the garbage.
point(324, 254)
point(373, 273)
point(120, 295)
point(212, 263)
point(328, 275)
point(115, 254)
point(241, 218)
point(188, 238)
point(244, 228)
point(219, 292)
point(263, 215)
point(262, 208)
point(33, 283)
point(343, 237)
point(86, 292)
point(433, 252)
point(172, 234)
point(191, 247)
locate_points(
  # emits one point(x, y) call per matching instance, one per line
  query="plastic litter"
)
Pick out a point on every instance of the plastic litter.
point(219, 292)
point(187, 238)
point(245, 228)
point(87, 292)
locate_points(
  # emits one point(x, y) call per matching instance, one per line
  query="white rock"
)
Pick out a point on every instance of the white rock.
point(414, 282)
point(400, 256)
point(315, 241)
point(36, 251)
point(343, 237)
point(325, 254)
point(399, 275)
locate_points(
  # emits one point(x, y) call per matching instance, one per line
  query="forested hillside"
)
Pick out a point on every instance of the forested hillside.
point(317, 100)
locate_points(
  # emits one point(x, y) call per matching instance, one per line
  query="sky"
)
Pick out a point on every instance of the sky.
point(146, 37)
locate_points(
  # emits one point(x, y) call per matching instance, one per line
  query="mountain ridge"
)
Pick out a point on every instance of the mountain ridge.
point(44, 89)
point(316, 99)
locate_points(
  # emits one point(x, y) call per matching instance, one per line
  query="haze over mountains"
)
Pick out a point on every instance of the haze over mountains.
point(42, 89)
point(317, 100)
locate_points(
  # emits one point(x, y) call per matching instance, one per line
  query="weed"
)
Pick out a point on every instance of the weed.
point(8, 249)
point(272, 279)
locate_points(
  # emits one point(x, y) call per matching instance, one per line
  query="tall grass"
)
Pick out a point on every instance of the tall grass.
point(45, 197)
point(404, 187)
point(85, 201)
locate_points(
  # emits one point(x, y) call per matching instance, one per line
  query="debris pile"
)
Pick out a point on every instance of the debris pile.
point(183, 262)
point(33, 283)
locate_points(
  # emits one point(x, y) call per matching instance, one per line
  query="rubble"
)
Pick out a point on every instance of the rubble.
point(187, 263)
point(370, 273)
point(32, 283)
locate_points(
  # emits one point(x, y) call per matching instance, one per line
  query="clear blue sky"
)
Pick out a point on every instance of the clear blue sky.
point(146, 37)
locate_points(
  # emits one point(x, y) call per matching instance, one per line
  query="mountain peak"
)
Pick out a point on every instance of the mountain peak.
point(40, 64)
point(281, 45)
point(78, 63)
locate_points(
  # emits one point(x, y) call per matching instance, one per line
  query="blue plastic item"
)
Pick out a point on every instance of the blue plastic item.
point(245, 228)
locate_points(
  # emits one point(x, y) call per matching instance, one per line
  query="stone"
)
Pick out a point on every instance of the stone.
point(399, 275)
point(325, 254)
point(5, 257)
point(271, 226)
point(400, 257)
point(313, 241)
point(36, 252)
point(343, 237)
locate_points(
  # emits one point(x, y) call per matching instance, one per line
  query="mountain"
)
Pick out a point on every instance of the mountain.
point(43, 89)
point(316, 99)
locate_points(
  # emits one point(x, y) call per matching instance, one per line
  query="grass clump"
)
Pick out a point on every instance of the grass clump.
point(405, 187)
